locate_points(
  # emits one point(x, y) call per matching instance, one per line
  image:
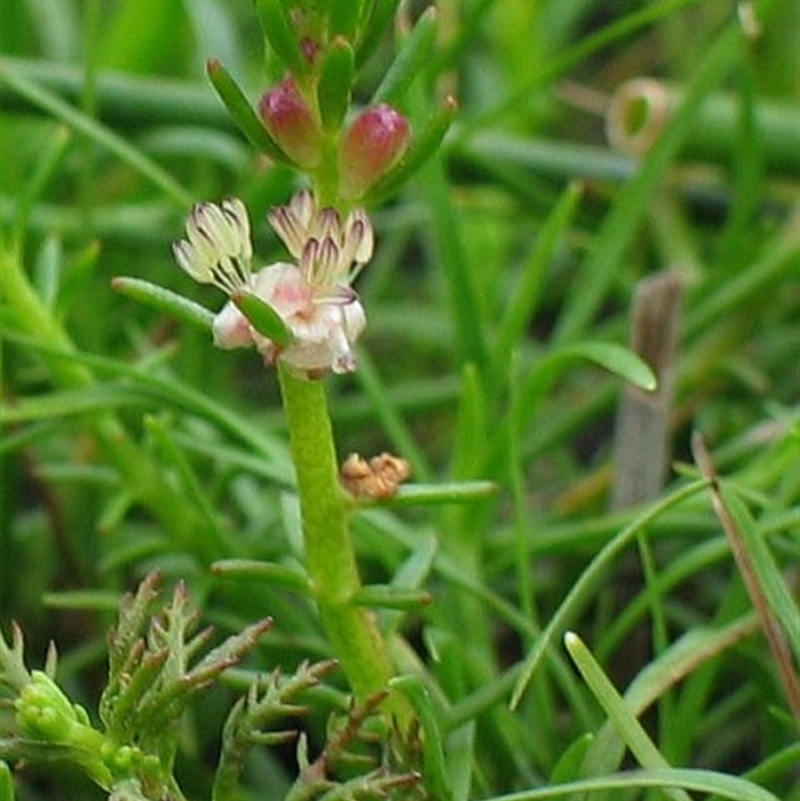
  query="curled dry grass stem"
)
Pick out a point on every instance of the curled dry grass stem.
point(776, 637)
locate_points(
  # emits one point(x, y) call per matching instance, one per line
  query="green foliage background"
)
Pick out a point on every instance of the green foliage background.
point(130, 443)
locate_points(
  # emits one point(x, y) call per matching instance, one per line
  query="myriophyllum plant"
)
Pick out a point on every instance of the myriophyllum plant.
point(305, 321)
point(157, 665)
point(302, 314)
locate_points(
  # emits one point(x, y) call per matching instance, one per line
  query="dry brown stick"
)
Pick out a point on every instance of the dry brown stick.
point(641, 447)
point(770, 625)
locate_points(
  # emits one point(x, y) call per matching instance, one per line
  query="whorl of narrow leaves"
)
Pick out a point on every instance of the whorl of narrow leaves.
point(268, 701)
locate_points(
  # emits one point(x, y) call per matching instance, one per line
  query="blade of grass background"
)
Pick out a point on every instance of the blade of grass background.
point(516, 159)
point(49, 161)
point(57, 29)
point(209, 540)
point(777, 611)
point(659, 628)
point(540, 711)
point(140, 35)
point(134, 464)
point(124, 100)
point(215, 33)
point(394, 425)
point(696, 699)
point(579, 596)
point(701, 781)
point(47, 270)
point(620, 226)
point(522, 523)
point(97, 133)
point(177, 394)
point(577, 54)
point(776, 261)
point(771, 579)
point(625, 722)
point(66, 403)
point(682, 658)
point(91, 39)
point(524, 298)
point(747, 171)
point(451, 255)
point(433, 751)
point(471, 427)
point(616, 359)
point(691, 562)
point(413, 56)
point(460, 748)
point(780, 763)
point(462, 24)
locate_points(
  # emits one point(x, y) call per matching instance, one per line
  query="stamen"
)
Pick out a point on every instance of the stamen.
point(288, 227)
point(327, 267)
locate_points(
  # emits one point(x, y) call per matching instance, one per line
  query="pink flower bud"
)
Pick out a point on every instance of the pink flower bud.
point(292, 124)
point(373, 144)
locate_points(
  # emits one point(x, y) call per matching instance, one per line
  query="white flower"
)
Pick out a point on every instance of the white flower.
point(313, 296)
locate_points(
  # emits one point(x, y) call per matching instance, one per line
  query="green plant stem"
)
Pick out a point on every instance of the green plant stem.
point(330, 556)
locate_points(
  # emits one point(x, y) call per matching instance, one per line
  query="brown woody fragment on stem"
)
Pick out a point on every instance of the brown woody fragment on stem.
point(377, 478)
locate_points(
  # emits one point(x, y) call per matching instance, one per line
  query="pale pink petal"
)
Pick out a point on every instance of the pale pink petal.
point(231, 328)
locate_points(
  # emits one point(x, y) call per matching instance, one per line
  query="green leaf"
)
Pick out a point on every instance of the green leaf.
point(679, 660)
point(290, 578)
point(436, 494)
point(613, 357)
point(280, 36)
point(771, 583)
point(524, 298)
point(335, 79)
point(97, 600)
point(472, 426)
point(263, 317)
point(581, 591)
point(388, 596)
point(164, 300)
point(381, 16)
point(414, 55)
point(68, 402)
point(627, 725)
point(6, 784)
point(242, 112)
point(569, 763)
point(433, 751)
point(47, 270)
point(344, 16)
point(701, 781)
point(617, 359)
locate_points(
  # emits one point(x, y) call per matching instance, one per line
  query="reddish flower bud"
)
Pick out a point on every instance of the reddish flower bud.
point(373, 144)
point(292, 124)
